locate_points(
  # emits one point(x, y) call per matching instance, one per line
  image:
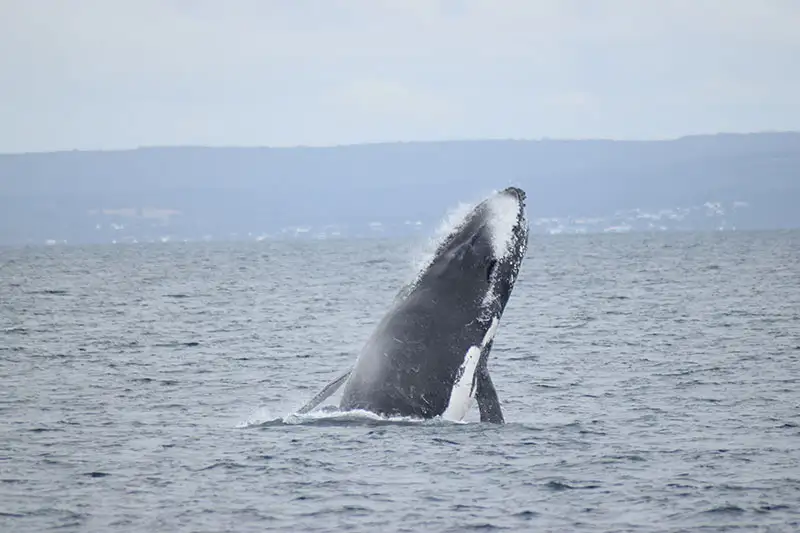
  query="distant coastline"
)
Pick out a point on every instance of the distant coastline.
point(722, 182)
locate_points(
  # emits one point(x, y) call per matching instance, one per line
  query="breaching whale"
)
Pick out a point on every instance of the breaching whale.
point(429, 354)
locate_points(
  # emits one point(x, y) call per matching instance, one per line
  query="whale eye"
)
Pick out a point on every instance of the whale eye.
point(490, 270)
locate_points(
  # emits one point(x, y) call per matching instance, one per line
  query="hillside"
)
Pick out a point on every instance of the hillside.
point(702, 182)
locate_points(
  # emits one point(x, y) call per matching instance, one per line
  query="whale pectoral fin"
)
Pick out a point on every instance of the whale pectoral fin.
point(325, 393)
point(488, 402)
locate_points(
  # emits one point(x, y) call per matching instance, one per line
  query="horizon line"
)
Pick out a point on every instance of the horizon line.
point(424, 141)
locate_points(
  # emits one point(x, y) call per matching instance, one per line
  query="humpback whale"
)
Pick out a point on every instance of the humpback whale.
point(429, 354)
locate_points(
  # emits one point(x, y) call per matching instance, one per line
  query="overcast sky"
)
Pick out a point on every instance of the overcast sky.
point(91, 74)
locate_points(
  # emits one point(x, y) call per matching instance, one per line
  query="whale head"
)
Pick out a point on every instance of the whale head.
point(478, 262)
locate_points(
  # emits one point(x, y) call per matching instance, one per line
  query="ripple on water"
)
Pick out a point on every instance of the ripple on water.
point(645, 380)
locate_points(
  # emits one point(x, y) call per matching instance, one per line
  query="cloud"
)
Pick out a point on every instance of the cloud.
point(381, 98)
point(94, 73)
point(391, 109)
point(575, 100)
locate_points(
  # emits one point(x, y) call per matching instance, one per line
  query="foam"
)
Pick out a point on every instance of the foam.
point(334, 417)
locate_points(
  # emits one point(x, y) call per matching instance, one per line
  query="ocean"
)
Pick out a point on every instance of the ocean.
point(650, 382)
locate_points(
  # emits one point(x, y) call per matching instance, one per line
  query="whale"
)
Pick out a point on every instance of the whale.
point(429, 355)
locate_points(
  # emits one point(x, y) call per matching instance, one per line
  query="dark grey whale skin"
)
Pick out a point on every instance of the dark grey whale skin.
point(409, 365)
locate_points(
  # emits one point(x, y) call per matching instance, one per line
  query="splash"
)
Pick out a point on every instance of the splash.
point(454, 219)
point(332, 416)
point(356, 416)
point(259, 417)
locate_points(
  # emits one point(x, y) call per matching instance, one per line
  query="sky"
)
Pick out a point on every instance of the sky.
point(109, 74)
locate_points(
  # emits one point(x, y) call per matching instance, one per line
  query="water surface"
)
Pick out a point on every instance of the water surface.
point(649, 382)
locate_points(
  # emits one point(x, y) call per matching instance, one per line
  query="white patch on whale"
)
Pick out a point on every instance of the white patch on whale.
point(506, 214)
point(505, 210)
point(463, 391)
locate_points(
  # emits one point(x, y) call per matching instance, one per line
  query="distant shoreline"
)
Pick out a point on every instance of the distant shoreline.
point(703, 182)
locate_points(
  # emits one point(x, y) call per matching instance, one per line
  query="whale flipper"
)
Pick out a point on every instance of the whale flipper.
point(486, 395)
point(325, 393)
